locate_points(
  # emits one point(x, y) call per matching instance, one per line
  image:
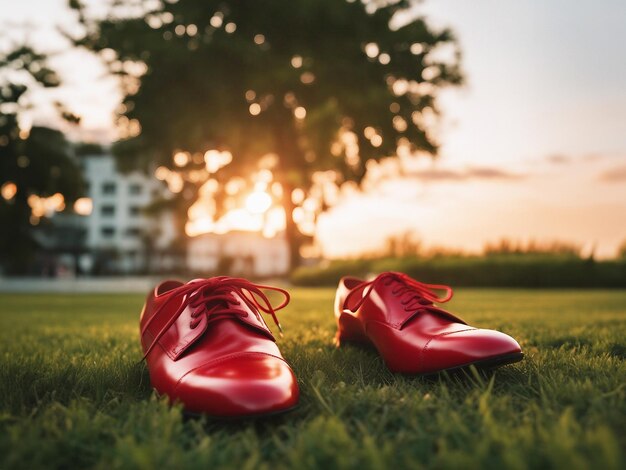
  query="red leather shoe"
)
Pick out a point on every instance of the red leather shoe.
point(206, 345)
point(396, 315)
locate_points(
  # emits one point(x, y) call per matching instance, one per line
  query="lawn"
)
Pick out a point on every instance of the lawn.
point(72, 393)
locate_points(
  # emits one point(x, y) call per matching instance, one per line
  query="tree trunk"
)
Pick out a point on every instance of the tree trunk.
point(289, 174)
point(292, 234)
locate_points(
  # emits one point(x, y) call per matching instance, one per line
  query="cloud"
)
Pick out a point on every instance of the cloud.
point(439, 175)
point(614, 175)
point(558, 159)
point(594, 157)
point(562, 159)
point(493, 173)
point(476, 173)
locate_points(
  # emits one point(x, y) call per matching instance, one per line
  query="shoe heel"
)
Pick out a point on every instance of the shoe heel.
point(350, 330)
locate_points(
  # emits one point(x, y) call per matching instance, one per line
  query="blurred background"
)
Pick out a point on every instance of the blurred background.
point(478, 144)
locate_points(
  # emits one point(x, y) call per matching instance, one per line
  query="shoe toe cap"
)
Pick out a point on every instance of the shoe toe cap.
point(242, 385)
point(467, 347)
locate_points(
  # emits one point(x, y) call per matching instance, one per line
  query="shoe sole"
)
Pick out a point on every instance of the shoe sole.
point(269, 414)
point(482, 364)
point(265, 415)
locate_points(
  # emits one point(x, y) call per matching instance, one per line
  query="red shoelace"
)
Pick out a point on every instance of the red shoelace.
point(215, 296)
point(415, 294)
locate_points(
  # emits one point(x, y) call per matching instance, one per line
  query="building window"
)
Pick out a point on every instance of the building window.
point(133, 232)
point(135, 189)
point(134, 211)
point(107, 232)
point(109, 188)
point(107, 210)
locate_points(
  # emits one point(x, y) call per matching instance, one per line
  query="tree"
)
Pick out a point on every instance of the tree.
point(37, 173)
point(318, 85)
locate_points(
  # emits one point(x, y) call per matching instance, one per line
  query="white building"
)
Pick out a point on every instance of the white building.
point(238, 254)
point(120, 235)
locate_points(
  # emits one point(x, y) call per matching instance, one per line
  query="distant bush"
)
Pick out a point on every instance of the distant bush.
point(532, 247)
point(329, 273)
point(407, 244)
point(527, 271)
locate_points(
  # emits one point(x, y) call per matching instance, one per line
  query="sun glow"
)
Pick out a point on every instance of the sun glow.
point(269, 222)
point(252, 203)
point(258, 202)
point(83, 206)
point(9, 190)
point(45, 206)
point(249, 203)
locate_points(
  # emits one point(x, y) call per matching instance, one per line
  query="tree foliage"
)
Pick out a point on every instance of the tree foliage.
point(34, 162)
point(320, 84)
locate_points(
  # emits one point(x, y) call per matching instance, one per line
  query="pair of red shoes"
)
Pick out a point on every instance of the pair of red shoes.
point(207, 345)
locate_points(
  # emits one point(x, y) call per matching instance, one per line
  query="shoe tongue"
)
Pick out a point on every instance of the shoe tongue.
point(252, 317)
point(215, 281)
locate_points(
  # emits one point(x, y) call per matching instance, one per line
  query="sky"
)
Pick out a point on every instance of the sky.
point(533, 146)
point(544, 109)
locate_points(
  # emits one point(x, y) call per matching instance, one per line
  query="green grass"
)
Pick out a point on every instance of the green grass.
point(72, 393)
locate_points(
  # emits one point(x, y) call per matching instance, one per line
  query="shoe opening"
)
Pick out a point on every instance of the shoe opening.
point(167, 286)
point(351, 282)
